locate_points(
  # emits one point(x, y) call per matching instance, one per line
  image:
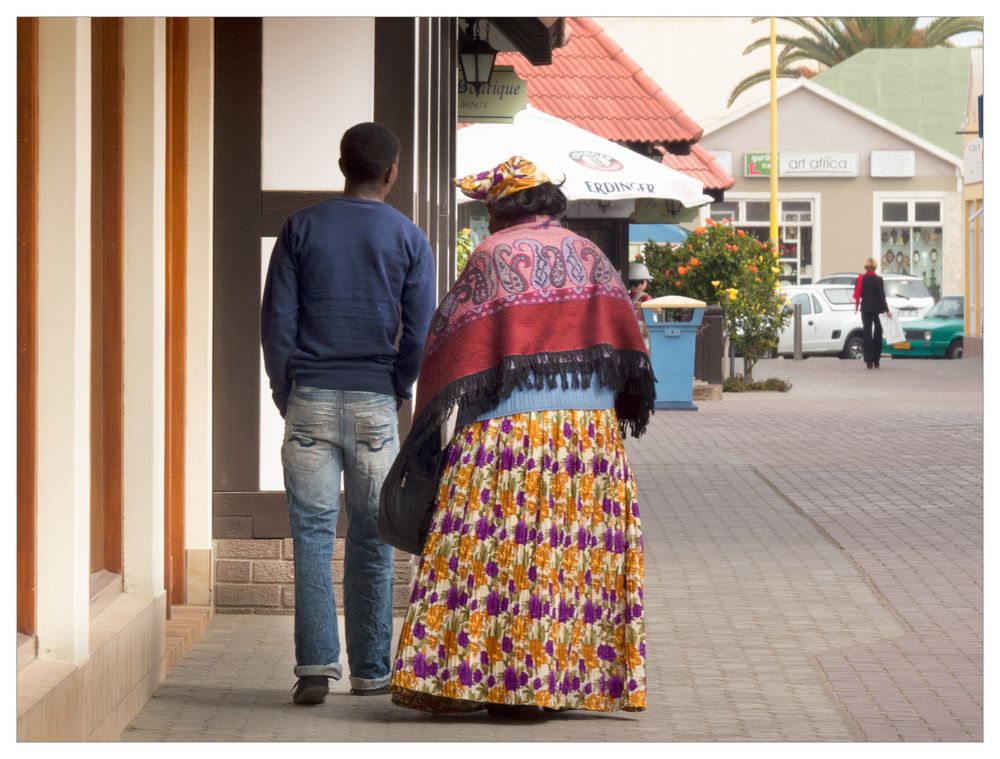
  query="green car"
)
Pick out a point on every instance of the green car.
point(937, 335)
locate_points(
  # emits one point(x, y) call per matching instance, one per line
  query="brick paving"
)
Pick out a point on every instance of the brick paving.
point(814, 573)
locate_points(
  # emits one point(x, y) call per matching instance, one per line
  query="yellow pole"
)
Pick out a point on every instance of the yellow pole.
point(774, 137)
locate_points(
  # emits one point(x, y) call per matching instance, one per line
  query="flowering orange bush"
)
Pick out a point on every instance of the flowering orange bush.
point(721, 264)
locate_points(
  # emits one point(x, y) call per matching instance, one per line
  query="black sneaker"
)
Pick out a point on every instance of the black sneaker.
point(311, 689)
point(370, 691)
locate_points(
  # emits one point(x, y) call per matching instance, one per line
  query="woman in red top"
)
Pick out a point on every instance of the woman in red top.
point(869, 296)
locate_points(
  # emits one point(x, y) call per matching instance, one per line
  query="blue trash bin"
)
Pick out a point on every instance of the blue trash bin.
point(671, 348)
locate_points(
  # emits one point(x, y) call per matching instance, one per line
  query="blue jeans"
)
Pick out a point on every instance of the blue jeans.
point(329, 432)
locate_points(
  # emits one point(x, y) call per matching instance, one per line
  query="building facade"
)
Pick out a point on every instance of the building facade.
point(852, 185)
point(972, 130)
point(157, 159)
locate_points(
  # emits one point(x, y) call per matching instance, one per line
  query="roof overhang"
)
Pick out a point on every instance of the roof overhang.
point(534, 38)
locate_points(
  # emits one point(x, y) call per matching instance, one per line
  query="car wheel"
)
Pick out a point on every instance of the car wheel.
point(955, 349)
point(854, 347)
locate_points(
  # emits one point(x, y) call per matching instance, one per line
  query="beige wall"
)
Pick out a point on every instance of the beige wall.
point(96, 664)
point(845, 232)
point(318, 80)
point(198, 394)
point(145, 147)
point(63, 405)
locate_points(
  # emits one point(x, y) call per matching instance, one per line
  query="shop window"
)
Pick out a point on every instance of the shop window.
point(927, 211)
point(911, 241)
point(796, 210)
point(795, 232)
point(894, 212)
point(758, 211)
point(720, 211)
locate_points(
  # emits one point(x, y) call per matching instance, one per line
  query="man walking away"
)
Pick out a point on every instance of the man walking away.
point(344, 276)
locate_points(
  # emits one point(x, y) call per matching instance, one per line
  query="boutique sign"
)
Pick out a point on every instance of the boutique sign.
point(801, 164)
point(496, 102)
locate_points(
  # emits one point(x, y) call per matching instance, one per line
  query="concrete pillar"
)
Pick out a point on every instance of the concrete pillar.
point(198, 393)
point(63, 552)
point(145, 145)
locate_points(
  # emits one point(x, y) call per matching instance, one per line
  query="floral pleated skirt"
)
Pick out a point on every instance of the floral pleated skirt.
point(529, 589)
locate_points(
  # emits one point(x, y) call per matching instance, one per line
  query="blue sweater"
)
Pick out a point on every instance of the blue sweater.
point(597, 396)
point(344, 275)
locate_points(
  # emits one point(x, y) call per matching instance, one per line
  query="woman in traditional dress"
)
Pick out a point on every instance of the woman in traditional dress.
point(529, 588)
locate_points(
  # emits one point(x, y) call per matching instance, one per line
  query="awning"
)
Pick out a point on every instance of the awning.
point(661, 233)
point(590, 167)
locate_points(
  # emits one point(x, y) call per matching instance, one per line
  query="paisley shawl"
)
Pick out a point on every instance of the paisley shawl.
point(538, 300)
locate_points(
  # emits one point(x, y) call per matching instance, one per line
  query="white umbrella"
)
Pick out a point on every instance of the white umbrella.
point(594, 168)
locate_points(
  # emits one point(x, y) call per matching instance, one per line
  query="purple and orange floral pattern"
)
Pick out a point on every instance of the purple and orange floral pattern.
point(529, 589)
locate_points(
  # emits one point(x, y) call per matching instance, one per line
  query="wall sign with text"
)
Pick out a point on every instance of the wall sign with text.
point(496, 102)
point(893, 163)
point(802, 164)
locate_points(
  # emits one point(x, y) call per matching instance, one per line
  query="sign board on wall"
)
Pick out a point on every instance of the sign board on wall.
point(802, 164)
point(973, 161)
point(893, 163)
point(725, 160)
point(496, 102)
point(756, 164)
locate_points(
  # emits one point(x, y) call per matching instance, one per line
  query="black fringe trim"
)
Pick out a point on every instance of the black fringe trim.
point(626, 371)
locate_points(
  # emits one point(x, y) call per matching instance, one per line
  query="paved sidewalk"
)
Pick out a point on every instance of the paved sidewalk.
point(813, 573)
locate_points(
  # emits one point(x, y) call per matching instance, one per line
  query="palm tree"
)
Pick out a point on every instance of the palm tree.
point(830, 40)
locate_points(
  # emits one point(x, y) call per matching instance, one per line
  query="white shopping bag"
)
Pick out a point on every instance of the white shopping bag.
point(892, 332)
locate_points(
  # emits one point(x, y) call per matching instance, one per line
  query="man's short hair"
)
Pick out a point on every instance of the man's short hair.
point(367, 151)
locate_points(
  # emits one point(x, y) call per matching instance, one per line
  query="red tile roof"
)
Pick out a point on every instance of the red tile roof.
point(701, 165)
point(595, 85)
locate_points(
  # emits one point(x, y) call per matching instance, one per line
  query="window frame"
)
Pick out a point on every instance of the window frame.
point(911, 198)
point(740, 199)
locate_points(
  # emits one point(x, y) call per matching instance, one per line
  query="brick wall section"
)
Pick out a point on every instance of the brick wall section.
point(258, 576)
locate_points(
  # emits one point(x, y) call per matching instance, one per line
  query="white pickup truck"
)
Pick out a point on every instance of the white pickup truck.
point(829, 324)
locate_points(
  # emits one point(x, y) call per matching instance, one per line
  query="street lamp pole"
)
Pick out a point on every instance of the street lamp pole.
point(774, 137)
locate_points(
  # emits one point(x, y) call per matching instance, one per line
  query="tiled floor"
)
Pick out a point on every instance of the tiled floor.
point(814, 573)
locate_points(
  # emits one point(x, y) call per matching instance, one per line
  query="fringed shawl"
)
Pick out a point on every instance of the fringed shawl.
point(535, 301)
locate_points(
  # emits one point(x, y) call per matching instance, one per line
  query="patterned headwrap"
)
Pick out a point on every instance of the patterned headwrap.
point(513, 175)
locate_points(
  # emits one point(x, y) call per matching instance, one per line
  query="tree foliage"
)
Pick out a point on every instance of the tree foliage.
point(463, 247)
point(722, 265)
point(830, 40)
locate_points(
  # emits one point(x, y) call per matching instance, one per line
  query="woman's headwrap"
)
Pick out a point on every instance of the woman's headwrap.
point(513, 175)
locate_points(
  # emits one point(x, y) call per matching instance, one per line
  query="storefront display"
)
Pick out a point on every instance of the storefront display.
point(911, 239)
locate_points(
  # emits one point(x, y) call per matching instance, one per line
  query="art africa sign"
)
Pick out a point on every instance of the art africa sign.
point(802, 164)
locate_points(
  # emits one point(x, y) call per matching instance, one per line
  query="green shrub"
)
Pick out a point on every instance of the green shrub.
point(738, 384)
